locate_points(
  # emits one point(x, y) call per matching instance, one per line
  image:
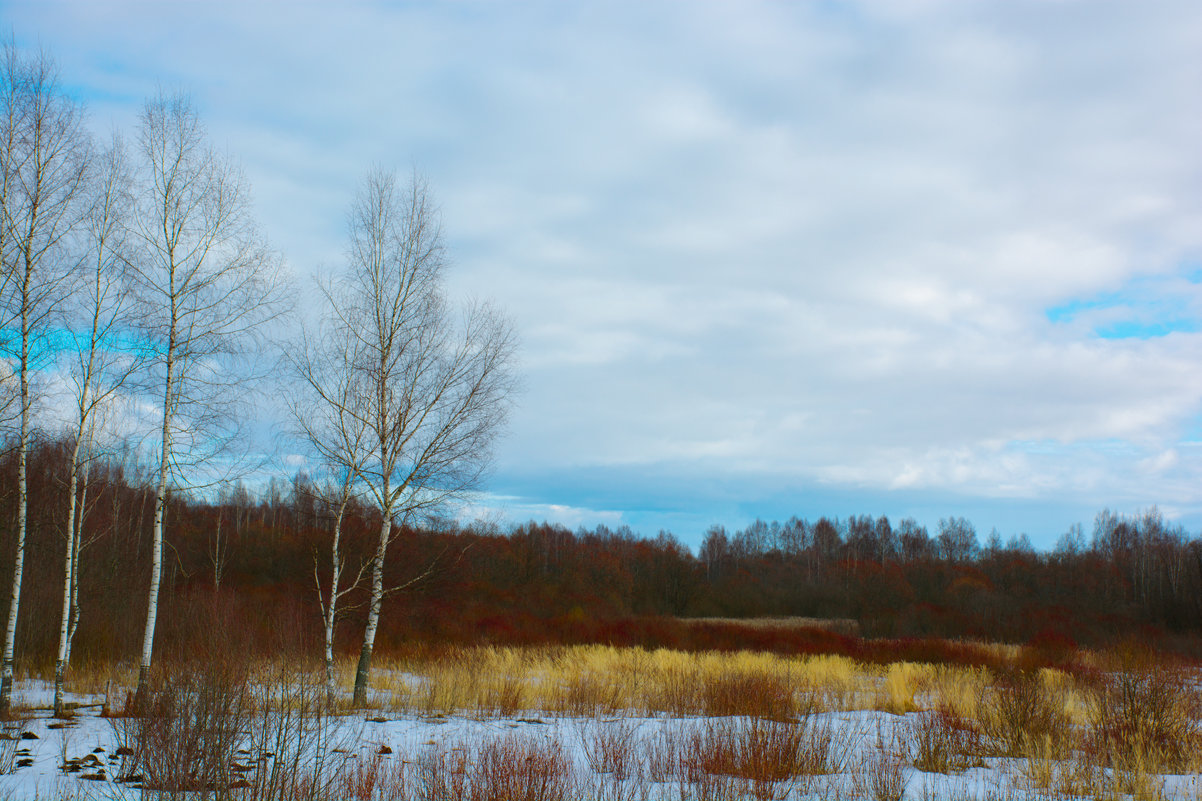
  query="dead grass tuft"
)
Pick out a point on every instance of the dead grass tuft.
point(900, 687)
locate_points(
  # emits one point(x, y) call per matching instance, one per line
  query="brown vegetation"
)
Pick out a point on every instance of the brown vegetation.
point(544, 585)
point(1046, 734)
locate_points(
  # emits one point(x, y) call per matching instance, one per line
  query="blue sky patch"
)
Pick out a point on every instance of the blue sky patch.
point(1133, 329)
point(1147, 307)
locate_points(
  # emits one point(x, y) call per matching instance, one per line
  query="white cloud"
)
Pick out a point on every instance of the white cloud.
point(504, 509)
point(813, 240)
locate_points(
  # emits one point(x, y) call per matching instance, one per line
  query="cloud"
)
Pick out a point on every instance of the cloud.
point(883, 247)
point(489, 507)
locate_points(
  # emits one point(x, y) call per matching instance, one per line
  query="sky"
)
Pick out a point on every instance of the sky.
point(921, 258)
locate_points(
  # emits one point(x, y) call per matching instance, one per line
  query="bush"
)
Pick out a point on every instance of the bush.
point(1025, 716)
point(10, 742)
point(187, 729)
point(755, 693)
point(610, 747)
point(944, 742)
point(512, 768)
point(292, 734)
point(1148, 720)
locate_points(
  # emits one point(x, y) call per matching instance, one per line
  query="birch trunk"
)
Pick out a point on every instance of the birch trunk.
point(156, 547)
point(331, 608)
point(373, 614)
point(77, 545)
point(217, 556)
point(44, 166)
point(69, 561)
point(10, 630)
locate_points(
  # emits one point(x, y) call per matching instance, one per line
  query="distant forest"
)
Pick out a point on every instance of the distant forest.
point(241, 573)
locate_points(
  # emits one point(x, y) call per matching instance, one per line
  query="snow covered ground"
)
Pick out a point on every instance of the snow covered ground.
point(79, 758)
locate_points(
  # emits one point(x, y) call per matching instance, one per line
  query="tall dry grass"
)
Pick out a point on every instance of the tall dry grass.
point(731, 725)
point(600, 680)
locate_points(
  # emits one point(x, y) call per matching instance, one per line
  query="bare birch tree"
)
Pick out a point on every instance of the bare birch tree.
point(428, 387)
point(339, 496)
point(45, 153)
point(206, 283)
point(101, 367)
point(326, 416)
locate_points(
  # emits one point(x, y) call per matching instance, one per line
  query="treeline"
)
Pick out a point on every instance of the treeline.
point(241, 572)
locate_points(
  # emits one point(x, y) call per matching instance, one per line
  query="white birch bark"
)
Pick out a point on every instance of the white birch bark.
point(363, 668)
point(156, 550)
point(77, 546)
point(330, 610)
point(98, 376)
point(14, 602)
point(69, 563)
point(206, 282)
point(45, 160)
point(330, 602)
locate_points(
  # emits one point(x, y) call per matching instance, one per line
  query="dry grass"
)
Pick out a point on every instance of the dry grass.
point(766, 724)
point(956, 689)
point(600, 680)
point(897, 693)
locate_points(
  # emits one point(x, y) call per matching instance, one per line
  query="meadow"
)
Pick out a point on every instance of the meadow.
point(600, 722)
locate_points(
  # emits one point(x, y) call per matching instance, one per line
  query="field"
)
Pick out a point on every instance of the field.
point(623, 724)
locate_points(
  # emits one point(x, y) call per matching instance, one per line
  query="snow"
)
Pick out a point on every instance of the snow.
point(90, 737)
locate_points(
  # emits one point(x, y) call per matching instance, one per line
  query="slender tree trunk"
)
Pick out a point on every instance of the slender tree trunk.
point(10, 631)
point(156, 547)
point(60, 661)
point(76, 547)
point(373, 615)
point(331, 608)
point(217, 554)
point(156, 575)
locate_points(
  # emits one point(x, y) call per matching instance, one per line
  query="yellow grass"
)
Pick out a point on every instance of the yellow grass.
point(604, 681)
point(903, 680)
point(590, 680)
point(956, 689)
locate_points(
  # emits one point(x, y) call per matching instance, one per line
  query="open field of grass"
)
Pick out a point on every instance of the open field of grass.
point(626, 723)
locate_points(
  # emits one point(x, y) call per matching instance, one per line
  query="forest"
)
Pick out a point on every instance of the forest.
point(240, 576)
